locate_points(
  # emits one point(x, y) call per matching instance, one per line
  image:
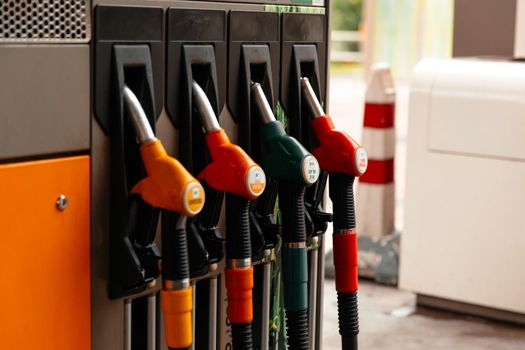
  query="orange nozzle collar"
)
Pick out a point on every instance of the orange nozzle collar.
point(232, 170)
point(177, 307)
point(168, 184)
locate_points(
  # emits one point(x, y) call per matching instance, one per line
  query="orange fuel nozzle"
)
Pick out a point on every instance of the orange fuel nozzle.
point(168, 184)
point(231, 170)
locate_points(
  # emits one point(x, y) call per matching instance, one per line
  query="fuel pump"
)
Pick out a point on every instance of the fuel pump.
point(295, 169)
point(232, 171)
point(343, 159)
point(168, 186)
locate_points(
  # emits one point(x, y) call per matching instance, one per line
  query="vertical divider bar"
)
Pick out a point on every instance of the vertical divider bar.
point(152, 322)
point(320, 295)
point(312, 292)
point(212, 326)
point(127, 324)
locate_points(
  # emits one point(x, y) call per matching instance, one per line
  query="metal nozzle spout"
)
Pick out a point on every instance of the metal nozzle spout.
point(262, 103)
point(140, 122)
point(311, 98)
point(206, 113)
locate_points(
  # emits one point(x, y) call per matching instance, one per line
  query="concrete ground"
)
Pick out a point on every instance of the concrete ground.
point(389, 320)
point(388, 316)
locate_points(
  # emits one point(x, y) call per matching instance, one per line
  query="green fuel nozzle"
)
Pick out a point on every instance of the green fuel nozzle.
point(288, 162)
point(286, 159)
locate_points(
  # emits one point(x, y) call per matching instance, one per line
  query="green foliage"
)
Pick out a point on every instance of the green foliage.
point(346, 14)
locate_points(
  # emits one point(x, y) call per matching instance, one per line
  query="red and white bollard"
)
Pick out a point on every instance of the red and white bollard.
point(376, 190)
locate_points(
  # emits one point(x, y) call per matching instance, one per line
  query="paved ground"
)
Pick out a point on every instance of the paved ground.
point(389, 321)
point(388, 317)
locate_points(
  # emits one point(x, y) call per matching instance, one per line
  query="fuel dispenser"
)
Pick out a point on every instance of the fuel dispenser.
point(289, 166)
point(224, 167)
point(254, 43)
point(340, 157)
point(138, 260)
point(343, 159)
point(295, 169)
point(171, 187)
point(303, 47)
point(128, 95)
point(195, 52)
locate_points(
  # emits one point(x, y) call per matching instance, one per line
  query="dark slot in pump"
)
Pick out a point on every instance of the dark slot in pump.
point(133, 253)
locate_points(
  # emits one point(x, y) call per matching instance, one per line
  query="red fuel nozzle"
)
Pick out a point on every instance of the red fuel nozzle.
point(337, 151)
point(231, 170)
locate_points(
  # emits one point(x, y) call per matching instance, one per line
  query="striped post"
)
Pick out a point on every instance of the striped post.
point(376, 190)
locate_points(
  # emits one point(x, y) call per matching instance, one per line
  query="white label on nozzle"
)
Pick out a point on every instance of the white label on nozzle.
point(310, 169)
point(255, 180)
point(361, 160)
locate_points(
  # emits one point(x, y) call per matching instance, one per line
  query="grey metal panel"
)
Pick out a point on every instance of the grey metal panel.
point(44, 99)
point(107, 316)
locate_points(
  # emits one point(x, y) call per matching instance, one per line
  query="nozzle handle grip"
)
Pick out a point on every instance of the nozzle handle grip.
point(238, 240)
point(175, 262)
point(291, 203)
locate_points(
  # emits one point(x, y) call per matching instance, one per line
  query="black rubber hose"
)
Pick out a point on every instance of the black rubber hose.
point(291, 203)
point(238, 242)
point(175, 262)
point(348, 319)
point(342, 195)
point(242, 336)
point(297, 329)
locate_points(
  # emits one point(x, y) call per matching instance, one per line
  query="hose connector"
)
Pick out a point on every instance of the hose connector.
point(239, 284)
point(177, 309)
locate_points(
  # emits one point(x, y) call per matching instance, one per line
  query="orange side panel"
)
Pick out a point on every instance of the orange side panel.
point(45, 301)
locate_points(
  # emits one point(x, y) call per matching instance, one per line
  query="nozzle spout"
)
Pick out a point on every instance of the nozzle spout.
point(140, 122)
point(262, 103)
point(311, 98)
point(207, 115)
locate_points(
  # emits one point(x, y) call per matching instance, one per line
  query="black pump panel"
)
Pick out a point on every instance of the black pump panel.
point(133, 254)
point(304, 54)
point(129, 50)
point(126, 25)
point(196, 50)
point(253, 40)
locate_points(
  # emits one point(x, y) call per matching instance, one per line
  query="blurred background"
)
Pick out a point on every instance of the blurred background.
point(446, 306)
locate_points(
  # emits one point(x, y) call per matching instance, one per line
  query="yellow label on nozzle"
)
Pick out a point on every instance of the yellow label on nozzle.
point(193, 198)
